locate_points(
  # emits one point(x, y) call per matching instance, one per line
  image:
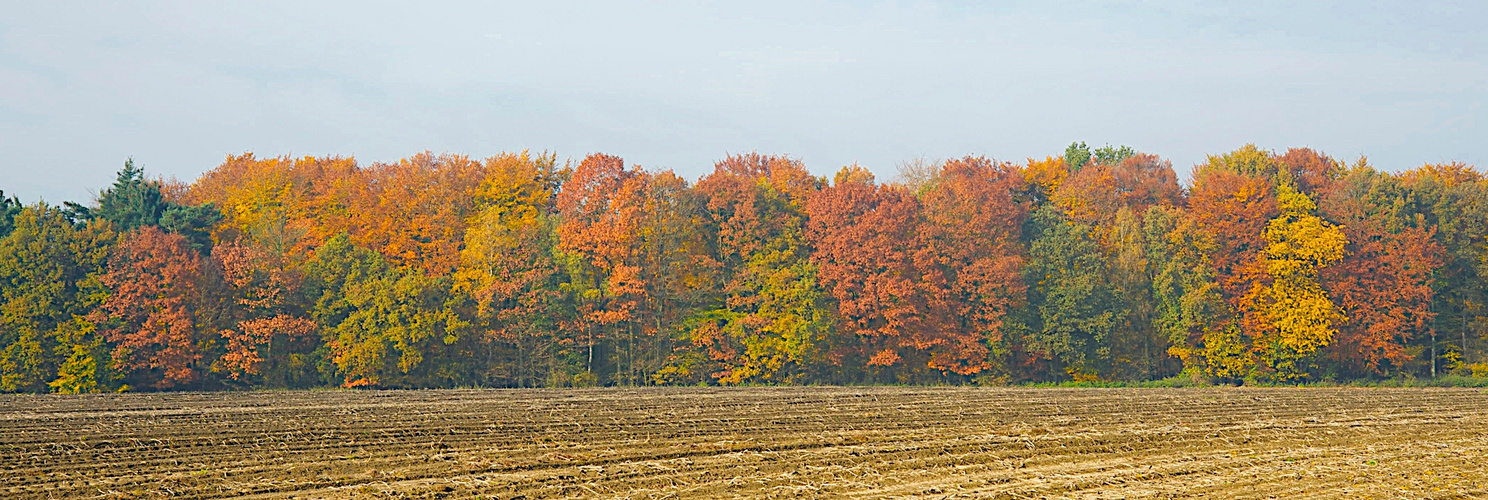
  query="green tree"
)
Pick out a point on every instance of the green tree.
point(131, 202)
point(1112, 155)
point(48, 285)
point(9, 208)
point(1453, 197)
point(1188, 306)
point(1138, 347)
point(378, 322)
point(134, 201)
point(1076, 156)
point(1074, 309)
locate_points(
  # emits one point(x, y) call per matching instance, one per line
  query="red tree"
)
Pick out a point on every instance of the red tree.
point(1235, 208)
point(602, 207)
point(156, 282)
point(1095, 193)
point(1383, 285)
point(258, 288)
point(864, 237)
point(969, 257)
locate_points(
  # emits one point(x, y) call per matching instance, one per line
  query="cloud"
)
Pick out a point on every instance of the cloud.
point(676, 85)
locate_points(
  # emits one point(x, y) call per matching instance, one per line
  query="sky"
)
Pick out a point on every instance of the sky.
point(178, 86)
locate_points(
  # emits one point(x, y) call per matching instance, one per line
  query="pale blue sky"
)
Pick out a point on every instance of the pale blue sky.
point(678, 85)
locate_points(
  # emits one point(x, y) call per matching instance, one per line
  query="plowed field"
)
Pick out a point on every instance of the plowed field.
point(758, 442)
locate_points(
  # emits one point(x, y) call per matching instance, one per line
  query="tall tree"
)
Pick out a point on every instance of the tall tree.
point(602, 207)
point(1073, 304)
point(864, 242)
point(1107, 197)
point(970, 257)
point(676, 267)
point(1383, 284)
point(1234, 209)
point(287, 206)
point(415, 211)
point(1076, 156)
point(1301, 317)
point(131, 202)
point(770, 318)
point(1138, 346)
point(134, 201)
point(1189, 308)
point(9, 208)
point(48, 285)
point(378, 322)
point(158, 286)
point(1097, 192)
point(1453, 197)
point(508, 270)
point(267, 338)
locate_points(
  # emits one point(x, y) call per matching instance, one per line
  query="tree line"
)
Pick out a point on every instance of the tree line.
point(516, 271)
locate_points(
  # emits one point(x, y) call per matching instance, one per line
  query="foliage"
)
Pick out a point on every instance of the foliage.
point(135, 202)
point(768, 321)
point(1301, 316)
point(1092, 267)
point(48, 286)
point(156, 309)
point(9, 208)
point(1074, 301)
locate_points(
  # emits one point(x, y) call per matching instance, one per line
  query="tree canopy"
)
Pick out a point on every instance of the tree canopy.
point(521, 271)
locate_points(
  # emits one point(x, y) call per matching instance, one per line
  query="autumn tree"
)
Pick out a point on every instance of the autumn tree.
point(969, 256)
point(1234, 209)
point(1099, 320)
point(415, 211)
point(1041, 178)
point(380, 323)
point(157, 284)
point(444, 270)
point(770, 317)
point(1139, 261)
point(1383, 285)
point(864, 239)
point(677, 268)
point(283, 205)
point(602, 208)
point(1301, 317)
point(508, 271)
point(1188, 306)
point(1453, 197)
point(267, 338)
point(48, 285)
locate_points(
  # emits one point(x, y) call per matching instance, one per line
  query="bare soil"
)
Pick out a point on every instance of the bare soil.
point(874, 442)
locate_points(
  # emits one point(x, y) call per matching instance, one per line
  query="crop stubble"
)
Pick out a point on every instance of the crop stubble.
point(869, 442)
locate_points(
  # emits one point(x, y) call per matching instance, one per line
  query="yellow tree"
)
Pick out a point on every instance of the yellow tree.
point(1301, 316)
point(507, 271)
point(284, 205)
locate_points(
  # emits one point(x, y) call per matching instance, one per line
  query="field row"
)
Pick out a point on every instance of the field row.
point(761, 442)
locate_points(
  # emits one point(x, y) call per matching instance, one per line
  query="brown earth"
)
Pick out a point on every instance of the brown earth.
point(753, 442)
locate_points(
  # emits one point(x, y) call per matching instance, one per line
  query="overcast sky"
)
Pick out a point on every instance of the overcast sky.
point(678, 85)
